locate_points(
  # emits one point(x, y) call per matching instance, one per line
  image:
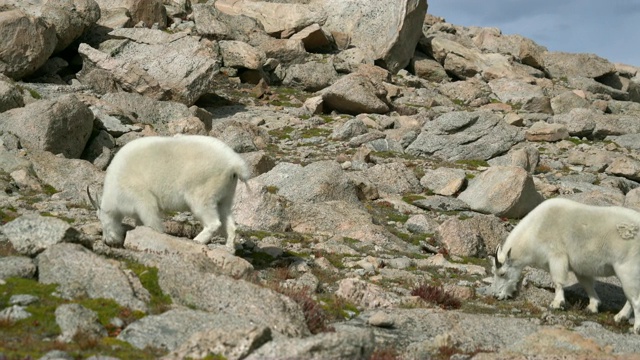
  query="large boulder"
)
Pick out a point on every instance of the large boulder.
point(175, 327)
point(10, 96)
point(275, 17)
point(149, 12)
point(355, 94)
point(61, 126)
point(505, 191)
point(32, 234)
point(155, 64)
point(69, 18)
point(477, 236)
point(387, 31)
point(317, 182)
point(80, 272)
point(27, 42)
point(211, 22)
point(344, 345)
point(159, 114)
point(225, 296)
point(526, 96)
point(67, 177)
point(464, 61)
point(567, 65)
point(465, 135)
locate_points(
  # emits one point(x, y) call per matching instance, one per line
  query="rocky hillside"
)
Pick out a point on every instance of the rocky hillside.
point(391, 153)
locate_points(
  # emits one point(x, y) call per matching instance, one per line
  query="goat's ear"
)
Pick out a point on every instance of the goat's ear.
point(507, 259)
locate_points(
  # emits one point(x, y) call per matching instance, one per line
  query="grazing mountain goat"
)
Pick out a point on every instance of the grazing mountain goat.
point(155, 174)
point(561, 235)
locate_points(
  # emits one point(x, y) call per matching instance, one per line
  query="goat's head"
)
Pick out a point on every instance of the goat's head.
point(506, 276)
point(112, 232)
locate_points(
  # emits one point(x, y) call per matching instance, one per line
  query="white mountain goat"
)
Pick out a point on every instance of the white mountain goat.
point(561, 235)
point(151, 175)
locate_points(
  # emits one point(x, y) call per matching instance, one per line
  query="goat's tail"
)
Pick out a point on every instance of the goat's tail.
point(243, 173)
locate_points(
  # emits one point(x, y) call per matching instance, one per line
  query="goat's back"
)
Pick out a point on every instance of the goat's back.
point(172, 165)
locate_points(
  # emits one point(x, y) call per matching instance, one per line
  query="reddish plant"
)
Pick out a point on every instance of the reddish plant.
point(437, 295)
point(314, 315)
point(384, 354)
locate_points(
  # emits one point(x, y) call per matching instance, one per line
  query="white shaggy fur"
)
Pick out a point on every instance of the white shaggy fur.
point(151, 175)
point(561, 235)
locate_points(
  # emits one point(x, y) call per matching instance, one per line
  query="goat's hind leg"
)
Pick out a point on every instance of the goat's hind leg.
point(588, 285)
point(208, 216)
point(629, 276)
point(229, 226)
point(559, 269)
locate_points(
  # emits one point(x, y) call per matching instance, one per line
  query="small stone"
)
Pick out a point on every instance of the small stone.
point(381, 319)
point(22, 299)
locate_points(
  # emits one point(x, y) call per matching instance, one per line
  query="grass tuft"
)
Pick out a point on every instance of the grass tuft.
point(437, 295)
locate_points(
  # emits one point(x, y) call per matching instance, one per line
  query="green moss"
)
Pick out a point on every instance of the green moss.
point(287, 91)
point(413, 239)
point(351, 241)
point(334, 259)
point(516, 106)
point(259, 234)
point(32, 337)
point(575, 140)
point(412, 197)
point(160, 302)
point(49, 190)
point(473, 163)
point(272, 189)
point(327, 119)
point(282, 133)
point(397, 217)
point(213, 357)
point(7, 215)
point(259, 259)
point(64, 218)
point(34, 94)
point(314, 132)
point(337, 308)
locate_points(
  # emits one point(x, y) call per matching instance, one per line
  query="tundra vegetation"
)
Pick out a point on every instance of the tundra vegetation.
point(386, 167)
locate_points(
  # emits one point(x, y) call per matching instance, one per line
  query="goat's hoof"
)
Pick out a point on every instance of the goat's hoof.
point(618, 319)
point(557, 305)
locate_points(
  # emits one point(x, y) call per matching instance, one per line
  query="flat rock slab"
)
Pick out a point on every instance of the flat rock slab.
point(465, 135)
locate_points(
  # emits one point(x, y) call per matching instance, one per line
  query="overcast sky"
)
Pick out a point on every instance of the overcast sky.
point(610, 29)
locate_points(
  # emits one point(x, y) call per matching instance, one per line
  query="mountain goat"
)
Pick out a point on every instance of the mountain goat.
point(155, 174)
point(561, 235)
